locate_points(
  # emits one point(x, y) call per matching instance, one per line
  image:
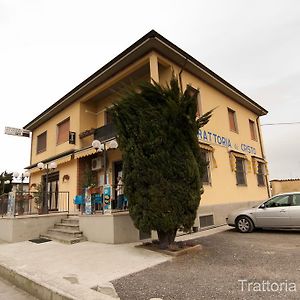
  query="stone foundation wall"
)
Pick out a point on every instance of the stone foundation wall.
point(24, 228)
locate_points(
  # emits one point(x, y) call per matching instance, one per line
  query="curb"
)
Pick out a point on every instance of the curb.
point(203, 233)
point(44, 291)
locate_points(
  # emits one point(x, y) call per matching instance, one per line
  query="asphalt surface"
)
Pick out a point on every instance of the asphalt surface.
point(267, 263)
point(10, 292)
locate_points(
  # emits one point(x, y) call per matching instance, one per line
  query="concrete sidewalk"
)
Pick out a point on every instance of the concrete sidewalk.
point(71, 271)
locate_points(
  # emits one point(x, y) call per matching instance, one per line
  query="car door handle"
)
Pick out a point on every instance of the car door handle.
point(283, 210)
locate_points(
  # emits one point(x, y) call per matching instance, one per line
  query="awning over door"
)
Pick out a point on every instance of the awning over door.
point(84, 152)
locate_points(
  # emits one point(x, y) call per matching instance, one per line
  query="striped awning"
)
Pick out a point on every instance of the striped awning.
point(255, 161)
point(206, 147)
point(34, 170)
point(63, 159)
point(58, 161)
point(84, 152)
point(232, 158)
point(211, 149)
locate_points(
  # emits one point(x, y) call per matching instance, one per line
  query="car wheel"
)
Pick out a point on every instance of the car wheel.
point(244, 224)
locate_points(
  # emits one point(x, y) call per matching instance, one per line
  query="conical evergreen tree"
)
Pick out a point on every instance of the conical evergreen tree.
point(162, 165)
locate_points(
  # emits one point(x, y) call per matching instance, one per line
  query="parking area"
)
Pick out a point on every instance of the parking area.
point(232, 265)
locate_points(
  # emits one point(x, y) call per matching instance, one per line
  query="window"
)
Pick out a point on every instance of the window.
point(240, 171)
point(206, 221)
point(279, 201)
point(252, 130)
point(63, 130)
point(41, 142)
point(206, 157)
point(108, 118)
point(232, 120)
point(261, 174)
point(296, 200)
point(192, 92)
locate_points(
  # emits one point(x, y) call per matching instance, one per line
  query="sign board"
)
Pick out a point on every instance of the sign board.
point(88, 202)
point(17, 131)
point(72, 137)
point(107, 199)
point(214, 138)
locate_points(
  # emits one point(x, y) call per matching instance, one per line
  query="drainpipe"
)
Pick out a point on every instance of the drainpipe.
point(262, 153)
point(179, 75)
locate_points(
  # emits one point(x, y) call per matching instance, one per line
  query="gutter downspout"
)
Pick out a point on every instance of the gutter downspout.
point(179, 75)
point(262, 153)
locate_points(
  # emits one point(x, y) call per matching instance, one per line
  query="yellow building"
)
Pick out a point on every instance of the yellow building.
point(231, 142)
point(285, 186)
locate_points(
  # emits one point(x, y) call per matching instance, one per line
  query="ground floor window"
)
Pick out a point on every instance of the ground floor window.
point(261, 174)
point(206, 221)
point(261, 170)
point(206, 179)
point(240, 171)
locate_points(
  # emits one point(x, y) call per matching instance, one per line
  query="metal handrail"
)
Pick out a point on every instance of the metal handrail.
point(30, 203)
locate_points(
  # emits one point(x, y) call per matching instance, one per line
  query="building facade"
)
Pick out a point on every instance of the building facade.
point(231, 142)
point(279, 186)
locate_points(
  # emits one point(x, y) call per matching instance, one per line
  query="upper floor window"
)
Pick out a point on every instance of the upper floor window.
point(252, 130)
point(107, 118)
point(232, 120)
point(41, 142)
point(192, 92)
point(240, 171)
point(63, 129)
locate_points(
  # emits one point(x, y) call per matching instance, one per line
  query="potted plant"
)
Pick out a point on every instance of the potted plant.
point(89, 180)
point(93, 189)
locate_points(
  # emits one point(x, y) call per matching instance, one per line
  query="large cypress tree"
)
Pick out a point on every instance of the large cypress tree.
point(162, 165)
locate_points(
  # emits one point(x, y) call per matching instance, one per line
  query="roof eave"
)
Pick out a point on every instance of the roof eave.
point(150, 41)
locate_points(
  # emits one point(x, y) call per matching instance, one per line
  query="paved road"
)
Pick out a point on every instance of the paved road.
point(10, 292)
point(267, 263)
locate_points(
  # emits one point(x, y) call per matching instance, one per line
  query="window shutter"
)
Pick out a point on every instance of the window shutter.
point(42, 142)
point(63, 130)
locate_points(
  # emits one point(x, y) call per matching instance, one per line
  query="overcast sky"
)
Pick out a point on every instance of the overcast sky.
point(49, 47)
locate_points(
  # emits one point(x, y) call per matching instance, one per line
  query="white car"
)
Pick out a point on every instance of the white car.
point(280, 211)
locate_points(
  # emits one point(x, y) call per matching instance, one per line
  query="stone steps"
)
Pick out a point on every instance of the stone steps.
point(66, 232)
point(64, 239)
point(66, 226)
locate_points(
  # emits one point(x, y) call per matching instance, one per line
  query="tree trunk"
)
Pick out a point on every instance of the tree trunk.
point(166, 238)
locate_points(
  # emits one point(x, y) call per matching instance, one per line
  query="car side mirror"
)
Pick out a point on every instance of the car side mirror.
point(263, 206)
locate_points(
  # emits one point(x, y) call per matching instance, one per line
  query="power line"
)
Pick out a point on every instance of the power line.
point(288, 123)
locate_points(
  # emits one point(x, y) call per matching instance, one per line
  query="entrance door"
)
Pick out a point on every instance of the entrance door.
point(118, 167)
point(52, 190)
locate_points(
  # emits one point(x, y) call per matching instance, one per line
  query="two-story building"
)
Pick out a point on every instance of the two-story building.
point(231, 142)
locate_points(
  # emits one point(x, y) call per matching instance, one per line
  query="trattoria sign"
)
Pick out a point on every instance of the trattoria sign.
point(214, 138)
